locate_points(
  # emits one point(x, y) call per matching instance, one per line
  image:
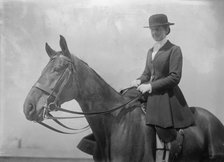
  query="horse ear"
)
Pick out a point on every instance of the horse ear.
point(49, 50)
point(64, 47)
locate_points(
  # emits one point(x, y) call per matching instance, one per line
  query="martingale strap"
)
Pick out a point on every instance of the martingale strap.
point(63, 117)
point(59, 131)
point(61, 124)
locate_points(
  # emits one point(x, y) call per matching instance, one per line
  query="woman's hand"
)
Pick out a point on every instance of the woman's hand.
point(145, 88)
point(135, 83)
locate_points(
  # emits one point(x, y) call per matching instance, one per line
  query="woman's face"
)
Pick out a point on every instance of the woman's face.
point(158, 32)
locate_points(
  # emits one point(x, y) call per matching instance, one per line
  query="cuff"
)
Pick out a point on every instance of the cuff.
point(150, 88)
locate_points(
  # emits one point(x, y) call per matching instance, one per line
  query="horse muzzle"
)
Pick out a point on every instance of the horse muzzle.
point(33, 110)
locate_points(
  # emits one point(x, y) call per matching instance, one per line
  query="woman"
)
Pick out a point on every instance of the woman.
point(166, 109)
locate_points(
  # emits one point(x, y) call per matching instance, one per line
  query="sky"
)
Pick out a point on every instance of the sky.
point(110, 37)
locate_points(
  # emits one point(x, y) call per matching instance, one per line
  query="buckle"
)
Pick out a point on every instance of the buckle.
point(52, 106)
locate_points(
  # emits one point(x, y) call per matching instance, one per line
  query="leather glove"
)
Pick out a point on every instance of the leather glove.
point(145, 88)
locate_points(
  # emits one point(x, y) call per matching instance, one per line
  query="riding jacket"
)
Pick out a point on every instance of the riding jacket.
point(166, 105)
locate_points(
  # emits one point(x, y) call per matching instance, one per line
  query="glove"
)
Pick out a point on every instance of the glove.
point(145, 88)
point(135, 83)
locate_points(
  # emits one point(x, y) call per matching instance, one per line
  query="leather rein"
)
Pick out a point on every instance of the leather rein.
point(52, 105)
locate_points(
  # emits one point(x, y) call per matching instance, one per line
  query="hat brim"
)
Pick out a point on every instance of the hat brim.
point(159, 25)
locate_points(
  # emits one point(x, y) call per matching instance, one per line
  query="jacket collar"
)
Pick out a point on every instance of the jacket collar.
point(166, 46)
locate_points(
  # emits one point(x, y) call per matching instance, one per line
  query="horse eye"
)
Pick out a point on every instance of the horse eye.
point(57, 69)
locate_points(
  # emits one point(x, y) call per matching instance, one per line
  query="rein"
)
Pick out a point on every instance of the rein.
point(52, 106)
point(99, 112)
point(55, 119)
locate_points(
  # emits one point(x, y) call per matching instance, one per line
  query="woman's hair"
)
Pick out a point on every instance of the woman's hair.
point(167, 27)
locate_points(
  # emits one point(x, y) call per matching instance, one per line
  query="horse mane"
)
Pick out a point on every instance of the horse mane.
point(79, 62)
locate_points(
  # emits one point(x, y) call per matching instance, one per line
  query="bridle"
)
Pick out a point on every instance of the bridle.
point(60, 84)
point(54, 93)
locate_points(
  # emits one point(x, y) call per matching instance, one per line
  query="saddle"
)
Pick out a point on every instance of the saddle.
point(176, 146)
point(169, 151)
point(88, 144)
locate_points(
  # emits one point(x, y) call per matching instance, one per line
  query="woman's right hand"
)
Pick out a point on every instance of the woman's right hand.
point(135, 83)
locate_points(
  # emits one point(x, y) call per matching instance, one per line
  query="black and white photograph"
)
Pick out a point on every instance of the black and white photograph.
point(111, 81)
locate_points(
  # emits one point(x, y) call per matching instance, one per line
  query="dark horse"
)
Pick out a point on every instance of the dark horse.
point(122, 135)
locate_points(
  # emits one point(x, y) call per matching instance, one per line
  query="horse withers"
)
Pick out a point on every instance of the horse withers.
point(121, 135)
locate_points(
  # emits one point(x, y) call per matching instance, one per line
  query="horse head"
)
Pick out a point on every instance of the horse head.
point(55, 85)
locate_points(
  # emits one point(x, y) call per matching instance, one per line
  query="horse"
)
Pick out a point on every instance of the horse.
point(121, 134)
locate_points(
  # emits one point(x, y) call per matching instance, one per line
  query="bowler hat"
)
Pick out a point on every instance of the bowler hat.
point(158, 20)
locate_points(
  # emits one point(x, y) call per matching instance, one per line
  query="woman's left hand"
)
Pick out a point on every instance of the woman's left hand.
point(145, 88)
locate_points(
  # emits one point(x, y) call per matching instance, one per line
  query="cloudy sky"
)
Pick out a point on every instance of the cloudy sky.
point(110, 37)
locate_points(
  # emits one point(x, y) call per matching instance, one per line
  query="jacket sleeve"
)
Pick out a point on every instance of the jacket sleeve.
point(175, 71)
point(146, 73)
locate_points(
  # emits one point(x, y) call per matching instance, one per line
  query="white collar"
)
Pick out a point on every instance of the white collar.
point(159, 44)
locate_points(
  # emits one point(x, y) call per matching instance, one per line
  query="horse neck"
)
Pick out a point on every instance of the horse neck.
point(95, 95)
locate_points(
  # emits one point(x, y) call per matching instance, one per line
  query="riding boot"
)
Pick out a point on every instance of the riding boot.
point(176, 146)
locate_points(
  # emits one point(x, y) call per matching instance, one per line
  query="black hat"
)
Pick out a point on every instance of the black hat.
point(158, 20)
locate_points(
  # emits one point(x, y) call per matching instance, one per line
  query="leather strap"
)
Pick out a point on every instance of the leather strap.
point(43, 88)
point(61, 124)
point(59, 131)
point(51, 91)
point(99, 112)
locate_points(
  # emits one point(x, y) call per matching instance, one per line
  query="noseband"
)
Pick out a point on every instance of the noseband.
point(52, 105)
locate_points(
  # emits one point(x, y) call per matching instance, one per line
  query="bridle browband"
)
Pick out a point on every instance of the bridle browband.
point(52, 105)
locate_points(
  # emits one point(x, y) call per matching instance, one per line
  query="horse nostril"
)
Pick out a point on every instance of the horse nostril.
point(30, 110)
point(29, 107)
